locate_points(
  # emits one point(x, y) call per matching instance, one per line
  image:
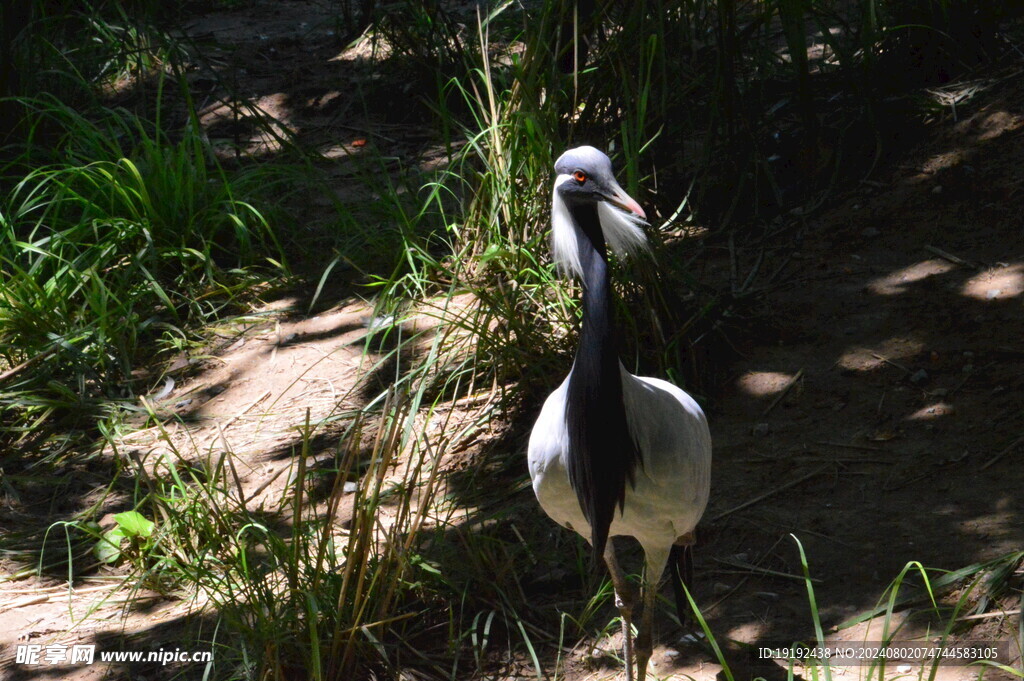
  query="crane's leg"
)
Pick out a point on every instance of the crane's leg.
point(680, 564)
point(656, 560)
point(625, 599)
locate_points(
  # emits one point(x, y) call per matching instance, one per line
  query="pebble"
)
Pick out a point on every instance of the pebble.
point(937, 189)
point(919, 376)
point(349, 487)
point(720, 588)
point(993, 293)
point(761, 429)
point(903, 669)
point(378, 323)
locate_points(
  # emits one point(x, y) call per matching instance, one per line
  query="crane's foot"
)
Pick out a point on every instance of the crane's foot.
point(643, 647)
point(625, 601)
point(627, 647)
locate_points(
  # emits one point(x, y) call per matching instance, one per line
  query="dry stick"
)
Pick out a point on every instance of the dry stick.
point(732, 262)
point(52, 596)
point(791, 483)
point(753, 272)
point(890, 362)
point(988, 615)
point(746, 578)
point(867, 448)
point(1010, 448)
point(783, 393)
point(760, 570)
point(252, 404)
point(11, 373)
point(950, 257)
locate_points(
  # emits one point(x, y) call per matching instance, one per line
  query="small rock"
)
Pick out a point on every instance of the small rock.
point(720, 588)
point(767, 595)
point(183, 403)
point(670, 655)
point(937, 189)
point(968, 368)
point(761, 429)
point(870, 233)
point(903, 669)
point(993, 293)
point(919, 377)
point(378, 323)
point(349, 487)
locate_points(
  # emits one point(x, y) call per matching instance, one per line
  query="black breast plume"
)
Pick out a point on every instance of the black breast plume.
point(602, 456)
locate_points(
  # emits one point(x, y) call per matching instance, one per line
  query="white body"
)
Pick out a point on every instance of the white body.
point(671, 489)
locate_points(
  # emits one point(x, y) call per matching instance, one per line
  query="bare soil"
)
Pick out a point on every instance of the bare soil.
point(871, 404)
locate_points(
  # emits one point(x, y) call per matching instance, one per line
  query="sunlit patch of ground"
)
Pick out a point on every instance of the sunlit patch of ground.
point(896, 282)
point(764, 383)
point(997, 283)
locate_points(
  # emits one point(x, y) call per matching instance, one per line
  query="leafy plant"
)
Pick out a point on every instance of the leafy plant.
point(131, 526)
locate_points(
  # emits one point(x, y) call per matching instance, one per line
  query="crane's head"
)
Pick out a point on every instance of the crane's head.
point(585, 176)
point(585, 179)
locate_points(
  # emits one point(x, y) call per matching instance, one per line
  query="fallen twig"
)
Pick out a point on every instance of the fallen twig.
point(891, 362)
point(755, 500)
point(760, 570)
point(11, 373)
point(950, 257)
point(783, 393)
point(989, 615)
point(1013, 445)
point(867, 448)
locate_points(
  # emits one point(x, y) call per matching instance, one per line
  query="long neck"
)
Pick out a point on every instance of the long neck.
point(597, 361)
point(602, 456)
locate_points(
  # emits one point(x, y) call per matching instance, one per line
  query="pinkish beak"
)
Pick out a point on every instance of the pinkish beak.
point(622, 200)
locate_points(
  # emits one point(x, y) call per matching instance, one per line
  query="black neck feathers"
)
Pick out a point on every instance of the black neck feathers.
point(602, 455)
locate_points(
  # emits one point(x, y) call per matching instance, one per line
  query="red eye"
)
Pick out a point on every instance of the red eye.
point(579, 176)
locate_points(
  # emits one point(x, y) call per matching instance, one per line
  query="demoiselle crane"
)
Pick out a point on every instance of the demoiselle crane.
point(614, 454)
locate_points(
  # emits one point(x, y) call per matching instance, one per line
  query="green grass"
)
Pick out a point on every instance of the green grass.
point(113, 241)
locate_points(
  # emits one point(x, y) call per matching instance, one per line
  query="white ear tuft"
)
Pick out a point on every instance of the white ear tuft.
point(622, 230)
point(565, 236)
